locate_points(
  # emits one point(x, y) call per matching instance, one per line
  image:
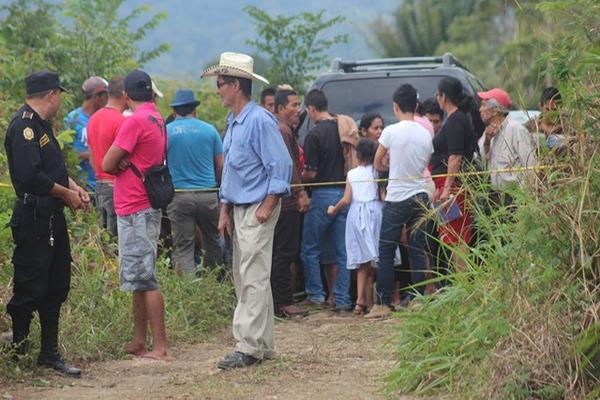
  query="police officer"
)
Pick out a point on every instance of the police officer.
point(42, 255)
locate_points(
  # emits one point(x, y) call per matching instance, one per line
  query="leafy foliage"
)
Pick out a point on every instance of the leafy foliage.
point(93, 40)
point(418, 26)
point(293, 44)
point(501, 42)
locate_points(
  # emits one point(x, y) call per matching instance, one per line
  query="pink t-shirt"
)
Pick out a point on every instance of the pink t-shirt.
point(425, 123)
point(142, 137)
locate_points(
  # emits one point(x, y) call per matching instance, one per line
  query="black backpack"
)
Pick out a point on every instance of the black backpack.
point(157, 179)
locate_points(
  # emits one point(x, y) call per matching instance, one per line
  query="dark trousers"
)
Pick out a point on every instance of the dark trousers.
point(396, 215)
point(42, 273)
point(286, 243)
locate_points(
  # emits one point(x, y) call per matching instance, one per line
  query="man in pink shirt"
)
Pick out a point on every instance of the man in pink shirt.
point(141, 142)
point(102, 130)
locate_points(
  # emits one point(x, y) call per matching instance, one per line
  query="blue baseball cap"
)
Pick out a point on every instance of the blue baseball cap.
point(184, 97)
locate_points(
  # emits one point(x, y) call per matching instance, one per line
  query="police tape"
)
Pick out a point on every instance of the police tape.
point(381, 180)
point(406, 178)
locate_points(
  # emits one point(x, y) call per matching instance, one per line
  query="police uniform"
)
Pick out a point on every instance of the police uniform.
point(42, 255)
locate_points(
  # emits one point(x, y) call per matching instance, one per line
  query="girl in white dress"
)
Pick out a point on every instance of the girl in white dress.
point(363, 224)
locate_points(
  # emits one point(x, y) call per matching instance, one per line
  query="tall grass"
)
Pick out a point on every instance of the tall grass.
point(504, 327)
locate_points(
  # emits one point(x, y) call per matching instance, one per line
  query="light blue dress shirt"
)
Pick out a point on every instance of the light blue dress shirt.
point(257, 162)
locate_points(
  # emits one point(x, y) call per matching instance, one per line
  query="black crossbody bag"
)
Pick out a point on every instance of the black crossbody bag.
point(157, 179)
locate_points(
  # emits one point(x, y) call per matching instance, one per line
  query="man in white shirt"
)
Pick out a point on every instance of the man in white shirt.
point(505, 144)
point(409, 147)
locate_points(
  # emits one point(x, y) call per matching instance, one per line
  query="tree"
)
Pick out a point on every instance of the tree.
point(418, 26)
point(32, 34)
point(293, 44)
point(498, 41)
point(92, 39)
point(104, 43)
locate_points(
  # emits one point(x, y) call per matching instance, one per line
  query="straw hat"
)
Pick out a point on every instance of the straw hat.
point(235, 64)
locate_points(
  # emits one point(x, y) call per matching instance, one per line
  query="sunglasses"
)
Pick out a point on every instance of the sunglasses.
point(221, 84)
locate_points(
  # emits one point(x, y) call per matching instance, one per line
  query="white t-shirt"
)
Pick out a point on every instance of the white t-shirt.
point(410, 148)
point(361, 179)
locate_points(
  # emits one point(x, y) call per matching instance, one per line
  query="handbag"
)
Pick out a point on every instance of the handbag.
point(157, 179)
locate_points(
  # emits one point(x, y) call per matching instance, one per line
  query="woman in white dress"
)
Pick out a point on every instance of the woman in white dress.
point(363, 224)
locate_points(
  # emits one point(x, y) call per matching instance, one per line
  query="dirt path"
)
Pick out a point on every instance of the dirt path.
point(325, 356)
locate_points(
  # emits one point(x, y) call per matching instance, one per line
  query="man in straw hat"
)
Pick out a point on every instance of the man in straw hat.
point(256, 173)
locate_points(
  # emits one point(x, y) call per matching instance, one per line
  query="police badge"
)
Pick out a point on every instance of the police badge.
point(28, 133)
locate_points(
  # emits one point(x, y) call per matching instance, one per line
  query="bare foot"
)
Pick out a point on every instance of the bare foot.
point(137, 349)
point(330, 302)
point(158, 356)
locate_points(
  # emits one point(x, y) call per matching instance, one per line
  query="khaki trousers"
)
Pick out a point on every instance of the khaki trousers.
point(252, 255)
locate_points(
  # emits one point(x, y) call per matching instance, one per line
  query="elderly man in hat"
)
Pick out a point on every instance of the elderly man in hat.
point(256, 173)
point(505, 143)
point(195, 160)
point(42, 255)
point(95, 96)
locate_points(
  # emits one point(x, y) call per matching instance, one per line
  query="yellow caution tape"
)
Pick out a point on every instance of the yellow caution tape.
point(456, 174)
point(338, 183)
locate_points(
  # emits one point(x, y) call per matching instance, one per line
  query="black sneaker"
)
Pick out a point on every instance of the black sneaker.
point(237, 360)
point(58, 364)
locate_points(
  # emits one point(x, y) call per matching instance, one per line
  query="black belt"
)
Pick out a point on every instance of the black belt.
point(34, 201)
point(244, 205)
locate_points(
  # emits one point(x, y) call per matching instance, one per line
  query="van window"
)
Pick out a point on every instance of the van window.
point(358, 96)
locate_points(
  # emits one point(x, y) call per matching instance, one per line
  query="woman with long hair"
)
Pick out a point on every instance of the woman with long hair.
point(454, 147)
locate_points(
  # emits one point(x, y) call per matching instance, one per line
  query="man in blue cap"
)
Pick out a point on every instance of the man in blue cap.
point(195, 160)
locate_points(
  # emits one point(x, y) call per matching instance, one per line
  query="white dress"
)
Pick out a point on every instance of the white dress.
point(363, 224)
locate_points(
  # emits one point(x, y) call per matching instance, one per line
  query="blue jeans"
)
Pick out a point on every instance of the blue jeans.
point(316, 221)
point(395, 216)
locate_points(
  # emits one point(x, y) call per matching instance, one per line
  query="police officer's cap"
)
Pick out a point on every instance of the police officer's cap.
point(41, 81)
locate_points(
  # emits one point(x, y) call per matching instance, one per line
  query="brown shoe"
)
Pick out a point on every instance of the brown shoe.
point(293, 311)
point(379, 311)
point(309, 303)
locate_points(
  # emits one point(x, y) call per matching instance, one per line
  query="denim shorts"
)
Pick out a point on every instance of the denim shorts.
point(138, 238)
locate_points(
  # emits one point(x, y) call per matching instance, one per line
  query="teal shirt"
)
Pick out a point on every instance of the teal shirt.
point(78, 120)
point(192, 147)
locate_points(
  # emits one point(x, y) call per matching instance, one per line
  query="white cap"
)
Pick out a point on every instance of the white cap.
point(156, 91)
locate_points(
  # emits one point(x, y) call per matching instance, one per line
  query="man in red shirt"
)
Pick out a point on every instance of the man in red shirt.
point(141, 142)
point(102, 130)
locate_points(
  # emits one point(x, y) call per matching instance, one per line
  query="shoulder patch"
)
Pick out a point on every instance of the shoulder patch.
point(44, 140)
point(27, 115)
point(28, 133)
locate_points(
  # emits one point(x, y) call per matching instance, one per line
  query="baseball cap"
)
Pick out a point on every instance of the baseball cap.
point(156, 90)
point(93, 85)
point(137, 83)
point(497, 94)
point(41, 81)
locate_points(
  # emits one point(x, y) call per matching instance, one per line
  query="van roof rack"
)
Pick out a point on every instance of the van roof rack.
point(400, 63)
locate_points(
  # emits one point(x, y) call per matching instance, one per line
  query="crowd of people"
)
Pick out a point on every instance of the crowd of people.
point(288, 216)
